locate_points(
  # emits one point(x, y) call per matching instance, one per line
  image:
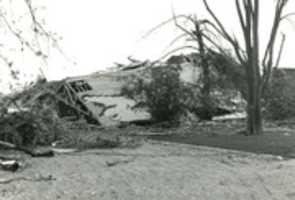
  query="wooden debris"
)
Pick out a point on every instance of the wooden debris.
point(35, 179)
point(117, 162)
point(64, 151)
point(38, 152)
point(9, 165)
point(31, 151)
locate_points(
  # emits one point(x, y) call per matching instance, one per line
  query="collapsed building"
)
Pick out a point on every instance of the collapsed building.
point(99, 94)
point(98, 98)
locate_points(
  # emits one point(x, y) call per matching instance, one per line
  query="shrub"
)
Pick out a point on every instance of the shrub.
point(35, 124)
point(30, 128)
point(279, 98)
point(161, 93)
point(167, 97)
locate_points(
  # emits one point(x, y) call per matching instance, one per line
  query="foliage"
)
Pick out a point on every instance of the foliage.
point(280, 98)
point(29, 124)
point(230, 74)
point(30, 128)
point(168, 98)
point(26, 42)
point(25, 35)
point(160, 94)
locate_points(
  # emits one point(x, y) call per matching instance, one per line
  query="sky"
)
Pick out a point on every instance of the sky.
point(96, 34)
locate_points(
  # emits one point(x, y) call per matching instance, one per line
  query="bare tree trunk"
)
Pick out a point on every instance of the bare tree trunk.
point(206, 88)
point(204, 61)
point(249, 54)
point(254, 116)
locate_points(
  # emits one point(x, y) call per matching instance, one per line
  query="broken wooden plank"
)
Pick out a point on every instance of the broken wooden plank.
point(117, 162)
point(34, 152)
point(33, 179)
point(64, 151)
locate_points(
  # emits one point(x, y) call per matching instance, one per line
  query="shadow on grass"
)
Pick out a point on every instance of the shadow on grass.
point(269, 143)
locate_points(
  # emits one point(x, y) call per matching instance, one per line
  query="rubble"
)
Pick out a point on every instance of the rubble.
point(38, 114)
point(98, 97)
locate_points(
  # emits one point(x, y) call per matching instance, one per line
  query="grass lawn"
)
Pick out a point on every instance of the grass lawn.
point(276, 141)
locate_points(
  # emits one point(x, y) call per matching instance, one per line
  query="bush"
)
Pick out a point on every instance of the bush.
point(37, 124)
point(279, 97)
point(166, 97)
point(26, 128)
point(161, 93)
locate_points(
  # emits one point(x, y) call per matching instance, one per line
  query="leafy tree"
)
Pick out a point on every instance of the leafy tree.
point(279, 98)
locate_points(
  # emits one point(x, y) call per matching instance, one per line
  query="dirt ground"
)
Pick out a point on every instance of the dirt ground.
point(155, 170)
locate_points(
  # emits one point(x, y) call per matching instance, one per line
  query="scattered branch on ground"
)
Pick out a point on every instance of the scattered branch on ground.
point(118, 162)
point(39, 178)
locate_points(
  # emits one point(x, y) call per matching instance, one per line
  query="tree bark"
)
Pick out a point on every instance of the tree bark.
point(206, 88)
point(204, 61)
point(254, 116)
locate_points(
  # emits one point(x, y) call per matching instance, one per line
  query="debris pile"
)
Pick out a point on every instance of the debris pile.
point(48, 113)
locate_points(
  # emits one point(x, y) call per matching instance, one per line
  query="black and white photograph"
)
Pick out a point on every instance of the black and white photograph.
point(147, 100)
